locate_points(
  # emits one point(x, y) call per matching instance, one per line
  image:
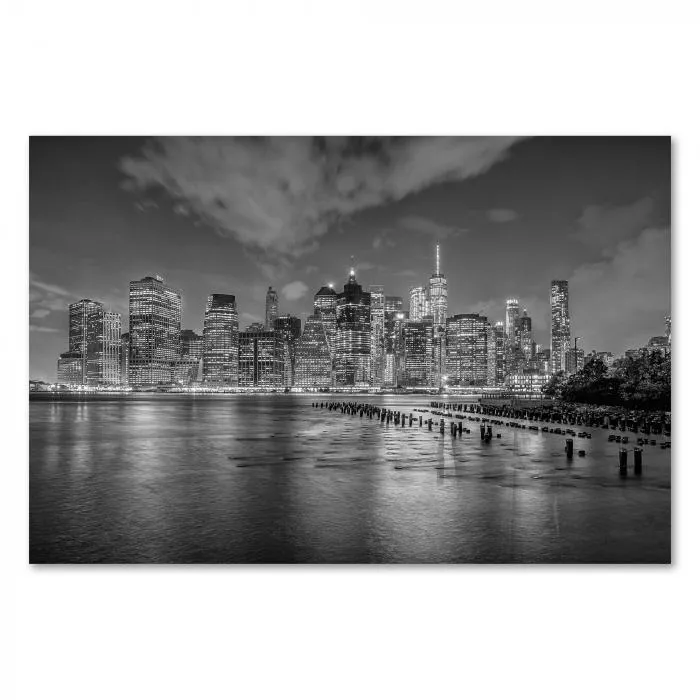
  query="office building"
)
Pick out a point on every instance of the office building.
point(271, 308)
point(561, 324)
point(124, 359)
point(418, 359)
point(376, 292)
point(419, 306)
point(512, 316)
point(393, 304)
point(189, 365)
point(290, 329)
point(353, 342)
point(394, 360)
point(220, 359)
point(438, 293)
point(261, 359)
point(313, 356)
point(498, 332)
point(69, 370)
point(155, 313)
point(325, 303)
point(467, 350)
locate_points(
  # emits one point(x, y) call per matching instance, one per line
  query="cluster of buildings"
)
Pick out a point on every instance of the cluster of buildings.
point(355, 339)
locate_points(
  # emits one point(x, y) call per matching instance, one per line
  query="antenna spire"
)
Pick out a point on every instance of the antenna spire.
point(437, 259)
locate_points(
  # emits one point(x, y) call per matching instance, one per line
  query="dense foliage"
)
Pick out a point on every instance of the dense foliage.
point(637, 383)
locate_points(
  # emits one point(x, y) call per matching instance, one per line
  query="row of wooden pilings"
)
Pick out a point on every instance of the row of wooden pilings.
point(593, 419)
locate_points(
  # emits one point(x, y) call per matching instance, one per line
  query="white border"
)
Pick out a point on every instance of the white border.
point(350, 632)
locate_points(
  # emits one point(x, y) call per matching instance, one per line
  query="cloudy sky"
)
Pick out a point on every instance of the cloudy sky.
point(236, 215)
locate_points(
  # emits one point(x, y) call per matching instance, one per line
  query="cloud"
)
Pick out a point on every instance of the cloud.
point(406, 273)
point(625, 296)
point(282, 194)
point(42, 329)
point(382, 240)
point(603, 227)
point(251, 318)
point(420, 224)
point(501, 216)
point(294, 290)
point(40, 313)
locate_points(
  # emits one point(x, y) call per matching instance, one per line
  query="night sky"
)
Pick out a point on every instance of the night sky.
point(236, 215)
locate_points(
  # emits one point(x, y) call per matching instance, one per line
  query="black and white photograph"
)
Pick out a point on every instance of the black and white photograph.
point(350, 349)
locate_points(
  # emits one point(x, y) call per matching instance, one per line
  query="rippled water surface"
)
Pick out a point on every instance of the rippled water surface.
point(271, 479)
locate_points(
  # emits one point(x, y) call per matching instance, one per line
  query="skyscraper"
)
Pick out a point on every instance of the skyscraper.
point(574, 358)
point(499, 357)
point(94, 338)
point(561, 324)
point(271, 308)
point(512, 316)
point(155, 312)
point(467, 350)
point(261, 359)
point(352, 352)
point(290, 329)
point(220, 364)
point(524, 335)
point(438, 293)
point(393, 304)
point(376, 292)
point(394, 359)
point(325, 303)
point(313, 357)
point(419, 304)
point(188, 368)
point(418, 360)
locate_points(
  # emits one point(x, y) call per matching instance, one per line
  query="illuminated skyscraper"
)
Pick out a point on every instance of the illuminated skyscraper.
point(271, 308)
point(94, 339)
point(499, 357)
point(574, 359)
point(325, 303)
point(220, 365)
point(561, 324)
point(393, 304)
point(155, 312)
point(313, 357)
point(438, 293)
point(352, 352)
point(419, 306)
point(394, 359)
point(290, 328)
point(668, 330)
point(512, 316)
point(467, 350)
point(524, 335)
point(261, 359)
point(376, 292)
point(124, 359)
point(418, 362)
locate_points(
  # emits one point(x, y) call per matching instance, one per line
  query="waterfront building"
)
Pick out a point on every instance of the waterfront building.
point(543, 361)
point(528, 383)
point(352, 353)
point(524, 335)
point(467, 350)
point(261, 359)
point(290, 328)
point(94, 335)
point(418, 358)
point(189, 366)
point(313, 356)
point(499, 353)
point(155, 313)
point(220, 358)
point(574, 358)
point(376, 292)
point(70, 369)
point(124, 359)
point(394, 361)
point(271, 308)
point(561, 324)
point(419, 306)
point(325, 305)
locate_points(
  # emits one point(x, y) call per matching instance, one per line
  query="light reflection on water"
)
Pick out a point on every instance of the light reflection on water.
point(270, 479)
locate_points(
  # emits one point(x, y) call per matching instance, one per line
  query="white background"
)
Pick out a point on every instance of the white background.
point(362, 67)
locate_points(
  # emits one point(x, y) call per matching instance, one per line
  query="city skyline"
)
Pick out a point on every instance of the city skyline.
point(619, 241)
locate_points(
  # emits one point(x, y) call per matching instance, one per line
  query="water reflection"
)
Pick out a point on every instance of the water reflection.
point(269, 479)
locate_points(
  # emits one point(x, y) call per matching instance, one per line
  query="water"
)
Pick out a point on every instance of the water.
point(270, 479)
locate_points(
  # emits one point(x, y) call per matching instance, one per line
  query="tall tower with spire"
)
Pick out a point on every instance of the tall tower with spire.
point(438, 293)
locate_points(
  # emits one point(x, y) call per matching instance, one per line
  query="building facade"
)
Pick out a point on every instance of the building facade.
point(377, 340)
point(325, 307)
point(313, 356)
point(155, 313)
point(561, 324)
point(220, 358)
point(189, 366)
point(418, 353)
point(467, 350)
point(271, 308)
point(261, 359)
point(418, 306)
point(351, 365)
point(290, 328)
